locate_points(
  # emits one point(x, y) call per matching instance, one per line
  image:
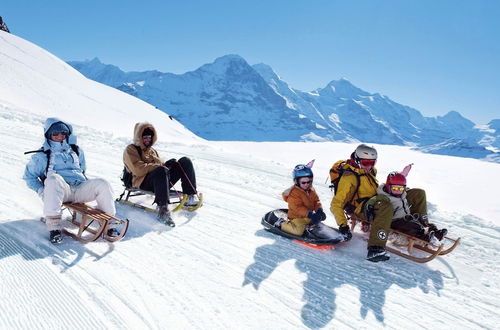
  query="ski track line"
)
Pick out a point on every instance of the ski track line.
point(39, 289)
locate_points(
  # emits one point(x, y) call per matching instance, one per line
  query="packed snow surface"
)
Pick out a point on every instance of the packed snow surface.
point(218, 268)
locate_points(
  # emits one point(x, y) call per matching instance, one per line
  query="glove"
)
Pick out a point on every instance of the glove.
point(321, 214)
point(370, 212)
point(170, 163)
point(315, 217)
point(344, 231)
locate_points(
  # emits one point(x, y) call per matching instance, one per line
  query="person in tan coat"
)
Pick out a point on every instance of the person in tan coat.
point(151, 173)
point(304, 206)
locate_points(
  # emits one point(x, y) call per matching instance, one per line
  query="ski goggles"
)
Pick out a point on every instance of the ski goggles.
point(305, 182)
point(367, 162)
point(56, 133)
point(398, 188)
point(147, 136)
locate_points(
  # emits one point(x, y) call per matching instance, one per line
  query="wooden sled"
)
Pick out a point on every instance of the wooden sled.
point(88, 224)
point(176, 197)
point(405, 245)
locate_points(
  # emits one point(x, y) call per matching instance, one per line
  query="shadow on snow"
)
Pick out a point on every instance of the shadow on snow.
point(29, 238)
point(328, 270)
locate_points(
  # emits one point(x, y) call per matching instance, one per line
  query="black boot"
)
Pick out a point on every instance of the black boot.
point(377, 253)
point(165, 217)
point(55, 236)
point(429, 236)
point(440, 234)
point(113, 232)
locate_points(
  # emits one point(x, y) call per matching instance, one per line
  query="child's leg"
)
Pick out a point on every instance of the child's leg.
point(295, 226)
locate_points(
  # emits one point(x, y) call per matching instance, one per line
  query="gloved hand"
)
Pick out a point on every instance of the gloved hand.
point(170, 163)
point(344, 231)
point(370, 212)
point(315, 217)
point(321, 214)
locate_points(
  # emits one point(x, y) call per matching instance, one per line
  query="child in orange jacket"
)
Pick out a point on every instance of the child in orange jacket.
point(304, 206)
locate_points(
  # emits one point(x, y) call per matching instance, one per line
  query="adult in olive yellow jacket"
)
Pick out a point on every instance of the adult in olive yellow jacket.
point(357, 193)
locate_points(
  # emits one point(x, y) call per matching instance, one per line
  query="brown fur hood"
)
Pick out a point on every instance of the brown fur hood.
point(138, 129)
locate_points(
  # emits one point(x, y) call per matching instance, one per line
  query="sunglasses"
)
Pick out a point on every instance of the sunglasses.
point(367, 162)
point(147, 137)
point(398, 188)
point(305, 182)
point(61, 132)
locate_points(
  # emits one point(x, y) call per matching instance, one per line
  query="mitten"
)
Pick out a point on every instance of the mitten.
point(344, 230)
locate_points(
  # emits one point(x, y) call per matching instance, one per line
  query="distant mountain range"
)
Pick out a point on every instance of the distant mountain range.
point(232, 100)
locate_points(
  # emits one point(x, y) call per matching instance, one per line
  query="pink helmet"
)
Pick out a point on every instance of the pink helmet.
point(395, 178)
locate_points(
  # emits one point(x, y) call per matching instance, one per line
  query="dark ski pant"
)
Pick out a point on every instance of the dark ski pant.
point(414, 225)
point(162, 178)
point(383, 213)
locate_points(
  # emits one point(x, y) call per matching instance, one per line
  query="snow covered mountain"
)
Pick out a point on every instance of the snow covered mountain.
point(218, 269)
point(231, 100)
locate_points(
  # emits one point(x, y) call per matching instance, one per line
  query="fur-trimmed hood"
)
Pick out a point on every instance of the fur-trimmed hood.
point(139, 129)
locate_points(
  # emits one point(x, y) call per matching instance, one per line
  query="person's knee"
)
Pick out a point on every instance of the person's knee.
point(415, 193)
point(102, 184)
point(183, 161)
point(53, 180)
point(382, 207)
point(160, 173)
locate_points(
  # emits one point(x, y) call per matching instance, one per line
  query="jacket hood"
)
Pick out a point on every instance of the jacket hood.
point(71, 138)
point(139, 129)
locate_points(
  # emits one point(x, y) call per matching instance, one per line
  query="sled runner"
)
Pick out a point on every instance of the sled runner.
point(410, 247)
point(88, 224)
point(176, 197)
point(319, 236)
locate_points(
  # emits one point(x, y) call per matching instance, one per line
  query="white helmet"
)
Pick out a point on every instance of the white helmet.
point(365, 152)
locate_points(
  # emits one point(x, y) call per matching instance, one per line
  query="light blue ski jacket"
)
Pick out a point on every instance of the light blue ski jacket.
point(63, 161)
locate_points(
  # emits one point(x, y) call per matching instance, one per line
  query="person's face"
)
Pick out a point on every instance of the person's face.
point(305, 183)
point(146, 140)
point(58, 136)
point(397, 190)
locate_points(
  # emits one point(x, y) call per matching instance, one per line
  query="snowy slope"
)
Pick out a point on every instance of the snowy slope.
point(218, 268)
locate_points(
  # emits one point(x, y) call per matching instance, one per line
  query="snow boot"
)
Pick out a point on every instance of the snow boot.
point(55, 236)
point(165, 217)
point(113, 232)
point(440, 234)
point(192, 200)
point(377, 253)
point(429, 236)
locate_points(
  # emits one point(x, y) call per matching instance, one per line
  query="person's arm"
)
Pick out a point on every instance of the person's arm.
point(33, 171)
point(345, 193)
point(135, 164)
point(81, 158)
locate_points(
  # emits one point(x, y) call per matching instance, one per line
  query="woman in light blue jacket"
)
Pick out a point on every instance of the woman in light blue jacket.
point(57, 174)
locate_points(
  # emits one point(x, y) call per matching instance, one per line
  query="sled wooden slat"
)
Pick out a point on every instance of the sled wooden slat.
point(452, 247)
point(88, 216)
point(432, 249)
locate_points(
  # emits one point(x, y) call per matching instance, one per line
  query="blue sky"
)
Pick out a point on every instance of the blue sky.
point(435, 56)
